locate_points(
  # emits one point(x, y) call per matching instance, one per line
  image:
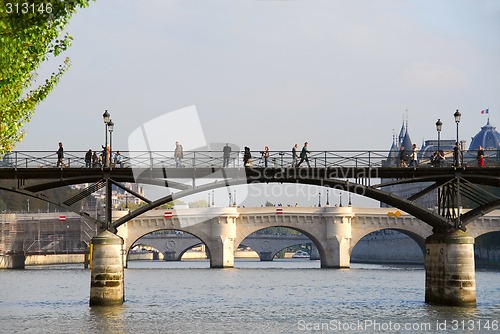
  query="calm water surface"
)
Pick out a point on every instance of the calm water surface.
point(287, 296)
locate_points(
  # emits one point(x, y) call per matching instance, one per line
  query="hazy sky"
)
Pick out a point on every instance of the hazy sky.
point(339, 74)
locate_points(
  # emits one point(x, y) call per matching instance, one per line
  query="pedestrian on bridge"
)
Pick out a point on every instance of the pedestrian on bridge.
point(480, 156)
point(226, 154)
point(266, 155)
point(105, 156)
point(118, 159)
point(60, 156)
point(88, 158)
point(247, 157)
point(95, 160)
point(414, 156)
point(457, 155)
point(402, 157)
point(178, 154)
point(295, 156)
point(303, 155)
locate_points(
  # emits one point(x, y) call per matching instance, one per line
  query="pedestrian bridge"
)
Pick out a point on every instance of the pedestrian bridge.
point(449, 252)
point(334, 231)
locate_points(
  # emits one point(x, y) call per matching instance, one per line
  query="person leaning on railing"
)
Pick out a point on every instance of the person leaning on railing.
point(480, 156)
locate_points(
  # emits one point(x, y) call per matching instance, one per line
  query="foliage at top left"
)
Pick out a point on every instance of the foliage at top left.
point(31, 32)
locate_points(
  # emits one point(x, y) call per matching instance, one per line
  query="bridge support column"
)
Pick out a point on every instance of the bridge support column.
point(314, 253)
point(223, 236)
point(338, 239)
point(12, 261)
point(170, 256)
point(106, 275)
point(266, 256)
point(450, 277)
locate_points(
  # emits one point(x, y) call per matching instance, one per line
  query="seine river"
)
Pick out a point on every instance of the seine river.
point(283, 296)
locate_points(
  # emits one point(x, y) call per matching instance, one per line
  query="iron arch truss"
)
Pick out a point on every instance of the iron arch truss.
point(480, 187)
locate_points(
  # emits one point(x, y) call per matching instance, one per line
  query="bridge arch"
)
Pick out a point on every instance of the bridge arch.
point(385, 247)
point(431, 218)
point(170, 251)
point(172, 246)
point(267, 246)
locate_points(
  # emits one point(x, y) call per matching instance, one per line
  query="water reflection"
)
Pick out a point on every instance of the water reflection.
point(106, 319)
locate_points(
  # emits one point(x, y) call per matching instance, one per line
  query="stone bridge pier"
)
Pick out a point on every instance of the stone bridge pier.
point(221, 245)
point(335, 248)
point(450, 277)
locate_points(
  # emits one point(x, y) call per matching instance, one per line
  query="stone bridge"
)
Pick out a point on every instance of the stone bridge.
point(173, 246)
point(334, 231)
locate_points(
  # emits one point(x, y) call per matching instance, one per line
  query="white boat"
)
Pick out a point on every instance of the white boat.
point(301, 255)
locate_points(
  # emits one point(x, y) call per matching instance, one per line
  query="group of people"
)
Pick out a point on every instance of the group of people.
point(413, 157)
point(297, 159)
point(92, 160)
point(438, 157)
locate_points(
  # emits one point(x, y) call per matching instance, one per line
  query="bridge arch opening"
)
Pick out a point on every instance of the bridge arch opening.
point(142, 251)
point(487, 250)
point(173, 244)
point(272, 242)
point(389, 246)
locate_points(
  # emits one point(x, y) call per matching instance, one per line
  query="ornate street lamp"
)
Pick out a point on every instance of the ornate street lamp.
point(110, 129)
point(319, 200)
point(457, 116)
point(106, 119)
point(439, 126)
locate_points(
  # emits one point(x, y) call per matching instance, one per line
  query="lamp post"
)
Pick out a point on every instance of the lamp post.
point(439, 126)
point(111, 125)
point(319, 200)
point(106, 118)
point(457, 116)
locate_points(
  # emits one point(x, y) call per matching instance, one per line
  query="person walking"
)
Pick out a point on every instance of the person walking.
point(247, 157)
point(295, 156)
point(226, 154)
point(266, 155)
point(480, 156)
point(60, 156)
point(178, 154)
point(95, 160)
point(88, 158)
point(303, 155)
point(414, 156)
point(402, 157)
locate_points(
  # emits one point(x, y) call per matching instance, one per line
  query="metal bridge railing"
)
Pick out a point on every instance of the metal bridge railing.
point(201, 159)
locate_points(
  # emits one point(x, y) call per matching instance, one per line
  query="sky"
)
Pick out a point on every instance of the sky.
point(338, 74)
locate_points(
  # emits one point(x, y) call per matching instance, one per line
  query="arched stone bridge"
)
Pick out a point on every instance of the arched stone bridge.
point(333, 230)
point(173, 246)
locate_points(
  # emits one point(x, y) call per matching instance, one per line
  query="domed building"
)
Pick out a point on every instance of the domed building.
point(488, 138)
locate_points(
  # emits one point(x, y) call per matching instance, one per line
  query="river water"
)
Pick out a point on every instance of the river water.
point(283, 296)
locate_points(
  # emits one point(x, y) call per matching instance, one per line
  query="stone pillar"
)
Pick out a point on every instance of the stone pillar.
point(106, 275)
point(338, 238)
point(314, 253)
point(222, 246)
point(266, 256)
point(450, 277)
point(12, 261)
point(170, 256)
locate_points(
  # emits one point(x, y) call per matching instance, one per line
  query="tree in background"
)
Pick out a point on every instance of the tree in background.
point(30, 33)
